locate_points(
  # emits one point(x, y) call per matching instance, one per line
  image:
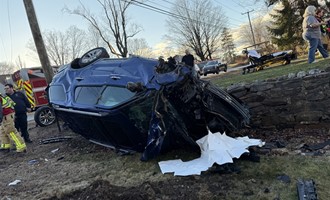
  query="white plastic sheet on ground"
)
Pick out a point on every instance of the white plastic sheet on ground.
point(215, 148)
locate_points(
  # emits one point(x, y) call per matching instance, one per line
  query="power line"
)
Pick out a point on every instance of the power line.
point(239, 4)
point(3, 46)
point(165, 12)
point(10, 33)
point(229, 9)
point(162, 11)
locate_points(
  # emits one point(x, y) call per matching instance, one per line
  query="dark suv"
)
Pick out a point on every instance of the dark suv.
point(214, 67)
point(138, 104)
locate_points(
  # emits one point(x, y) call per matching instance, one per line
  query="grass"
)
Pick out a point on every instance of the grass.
point(231, 78)
point(265, 173)
point(255, 178)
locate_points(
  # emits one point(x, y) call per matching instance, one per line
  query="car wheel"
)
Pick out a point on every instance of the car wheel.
point(93, 55)
point(205, 74)
point(225, 70)
point(287, 61)
point(44, 116)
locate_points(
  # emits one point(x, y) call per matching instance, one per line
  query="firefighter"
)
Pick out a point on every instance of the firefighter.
point(8, 130)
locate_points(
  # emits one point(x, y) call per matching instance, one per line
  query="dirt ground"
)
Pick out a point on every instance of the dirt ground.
point(78, 169)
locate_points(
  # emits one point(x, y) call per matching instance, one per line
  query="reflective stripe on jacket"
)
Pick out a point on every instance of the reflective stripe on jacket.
point(7, 105)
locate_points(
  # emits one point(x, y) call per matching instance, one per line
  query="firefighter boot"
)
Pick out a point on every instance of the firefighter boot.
point(19, 142)
point(5, 143)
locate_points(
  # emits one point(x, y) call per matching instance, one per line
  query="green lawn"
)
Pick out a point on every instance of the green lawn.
point(230, 78)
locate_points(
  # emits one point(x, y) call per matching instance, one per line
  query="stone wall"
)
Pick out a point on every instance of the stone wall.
point(301, 99)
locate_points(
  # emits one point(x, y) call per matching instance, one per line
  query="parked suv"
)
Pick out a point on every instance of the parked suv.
point(214, 67)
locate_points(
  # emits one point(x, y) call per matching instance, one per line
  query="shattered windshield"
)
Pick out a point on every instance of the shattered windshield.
point(98, 95)
point(112, 96)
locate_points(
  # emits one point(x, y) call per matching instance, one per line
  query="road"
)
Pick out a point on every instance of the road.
point(30, 116)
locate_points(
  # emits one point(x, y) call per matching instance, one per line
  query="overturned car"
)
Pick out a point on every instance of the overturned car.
point(136, 104)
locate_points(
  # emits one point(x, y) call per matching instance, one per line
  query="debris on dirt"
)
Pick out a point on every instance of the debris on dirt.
point(89, 171)
point(306, 190)
point(316, 147)
point(55, 150)
point(55, 139)
point(31, 162)
point(15, 182)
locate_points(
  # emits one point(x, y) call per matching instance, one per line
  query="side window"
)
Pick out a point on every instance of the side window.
point(112, 96)
point(56, 93)
point(87, 95)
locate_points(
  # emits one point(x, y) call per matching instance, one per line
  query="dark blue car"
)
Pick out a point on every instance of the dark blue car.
point(137, 104)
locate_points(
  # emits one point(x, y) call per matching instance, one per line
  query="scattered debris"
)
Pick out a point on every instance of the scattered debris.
point(55, 139)
point(252, 156)
point(15, 182)
point(316, 147)
point(216, 148)
point(32, 162)
point(284, 178)
point(55, 150)
point(60, 158)
point(228, 168)
point(306, 190)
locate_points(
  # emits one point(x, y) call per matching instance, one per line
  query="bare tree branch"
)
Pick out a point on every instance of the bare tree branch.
point(7, 68)
point(139, 47)
point(198, 27)
point(114, 21)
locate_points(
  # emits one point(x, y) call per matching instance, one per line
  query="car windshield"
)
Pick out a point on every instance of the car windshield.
point(212, 63)
point(201, 64)
point(98, 95)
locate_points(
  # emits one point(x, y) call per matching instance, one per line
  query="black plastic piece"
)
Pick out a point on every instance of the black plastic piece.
point(306, 190)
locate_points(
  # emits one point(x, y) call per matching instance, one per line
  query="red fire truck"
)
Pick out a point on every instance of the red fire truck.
point(32, 82)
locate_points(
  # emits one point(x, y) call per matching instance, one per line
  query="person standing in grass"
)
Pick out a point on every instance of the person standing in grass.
point(312, 33)
point(324, 36)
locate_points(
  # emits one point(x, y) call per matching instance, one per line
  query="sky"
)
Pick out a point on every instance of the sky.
point(15, 32)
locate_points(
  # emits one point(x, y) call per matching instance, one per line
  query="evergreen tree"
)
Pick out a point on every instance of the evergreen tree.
point(286, 26)
point(227, 44)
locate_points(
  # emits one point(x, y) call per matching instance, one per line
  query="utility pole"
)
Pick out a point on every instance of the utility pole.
point(248, 13)
point(41, 49)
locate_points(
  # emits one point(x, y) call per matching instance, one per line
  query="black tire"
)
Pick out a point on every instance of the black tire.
point(93, 55)
point(75, 63)
point(44, 116)
point(287, 61)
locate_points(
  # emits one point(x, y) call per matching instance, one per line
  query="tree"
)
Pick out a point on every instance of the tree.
point(227, 44)
point(286, 24)
point(261, 34)
point(20, 63)
point(114, 21)
point(7, 68)
point(301, 2)
point(201, 34)
point(139, 47)
point(63, 47)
